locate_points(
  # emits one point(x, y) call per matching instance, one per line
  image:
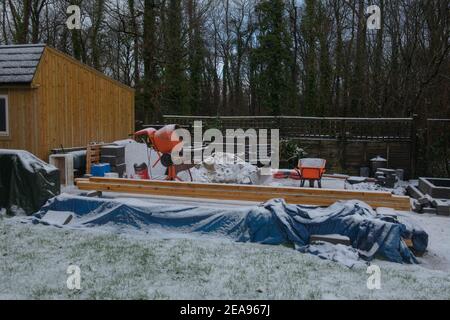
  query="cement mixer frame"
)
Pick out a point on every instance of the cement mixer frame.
point(163, 143)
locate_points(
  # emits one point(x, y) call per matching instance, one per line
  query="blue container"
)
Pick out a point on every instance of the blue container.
point(99, 170)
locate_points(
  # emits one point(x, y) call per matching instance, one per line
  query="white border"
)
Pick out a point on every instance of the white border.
point(5, 133)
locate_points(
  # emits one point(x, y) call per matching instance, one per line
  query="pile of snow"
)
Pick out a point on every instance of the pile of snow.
point(225, 168)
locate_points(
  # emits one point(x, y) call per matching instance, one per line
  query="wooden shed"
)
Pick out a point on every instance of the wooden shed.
point(49, 100)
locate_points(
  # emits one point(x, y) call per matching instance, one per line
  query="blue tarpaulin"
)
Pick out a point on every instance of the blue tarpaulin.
point(273, 222)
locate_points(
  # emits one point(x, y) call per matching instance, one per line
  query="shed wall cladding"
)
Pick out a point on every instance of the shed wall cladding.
point(80, 105)
point(60, 102)
point(22, 120)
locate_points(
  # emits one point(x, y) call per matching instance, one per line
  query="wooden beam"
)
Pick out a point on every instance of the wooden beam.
point(245, 188)
point(318, 197)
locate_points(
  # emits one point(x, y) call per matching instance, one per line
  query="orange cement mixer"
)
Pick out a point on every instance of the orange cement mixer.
point(165, 141)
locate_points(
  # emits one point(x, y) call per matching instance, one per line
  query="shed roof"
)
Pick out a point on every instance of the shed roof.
point(18, 63)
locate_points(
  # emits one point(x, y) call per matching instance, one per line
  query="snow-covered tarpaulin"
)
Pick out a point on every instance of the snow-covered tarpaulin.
point(272, 223)
point(26, 182)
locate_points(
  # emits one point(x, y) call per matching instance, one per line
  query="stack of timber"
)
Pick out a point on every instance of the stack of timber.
point(318, 197)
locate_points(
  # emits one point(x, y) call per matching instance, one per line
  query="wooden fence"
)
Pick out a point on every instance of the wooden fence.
point(349, 143)
point(434, 147)
point(358, 129)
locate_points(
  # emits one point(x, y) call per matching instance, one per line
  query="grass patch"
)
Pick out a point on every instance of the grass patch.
point(34, 261)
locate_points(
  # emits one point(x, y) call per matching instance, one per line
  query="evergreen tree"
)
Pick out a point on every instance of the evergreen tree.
point(274, 56)
point(310, 69)
point(174, 98)
point(196, 54)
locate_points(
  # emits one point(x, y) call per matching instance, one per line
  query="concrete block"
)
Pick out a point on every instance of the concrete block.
point(417, 207)
point(414, 192)
point(443, 207)
point(424, 201)
point(436, 187)
point(430, 199)
point(388, 172)
point(429, 210)
point(112, 160)
point(113, 150)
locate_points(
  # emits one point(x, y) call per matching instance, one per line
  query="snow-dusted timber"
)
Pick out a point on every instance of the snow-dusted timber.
point(321, 197)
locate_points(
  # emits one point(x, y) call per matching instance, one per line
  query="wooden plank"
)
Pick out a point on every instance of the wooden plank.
point(231, 187)
point(409, 243)
point(217, 194)
point(259, 194)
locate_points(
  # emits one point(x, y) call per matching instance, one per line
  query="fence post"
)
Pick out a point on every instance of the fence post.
point(343, 144)
point(279, 121)
point(414, 144)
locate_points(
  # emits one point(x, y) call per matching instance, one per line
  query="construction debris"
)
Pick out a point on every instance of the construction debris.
point(115, 156)
point(386, 178)
point(414, 192)
point(426, 196)
point(225, 168)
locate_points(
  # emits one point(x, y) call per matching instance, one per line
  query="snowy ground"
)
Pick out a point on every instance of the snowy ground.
point(34, 261)
point(438, 229)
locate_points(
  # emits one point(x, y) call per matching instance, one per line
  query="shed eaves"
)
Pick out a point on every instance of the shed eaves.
point(18, 63)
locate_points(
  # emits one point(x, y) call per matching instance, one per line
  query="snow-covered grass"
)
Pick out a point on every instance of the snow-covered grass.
point(34, 261)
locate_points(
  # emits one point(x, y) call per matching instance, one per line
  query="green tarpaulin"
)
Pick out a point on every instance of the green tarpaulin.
point(26, 182)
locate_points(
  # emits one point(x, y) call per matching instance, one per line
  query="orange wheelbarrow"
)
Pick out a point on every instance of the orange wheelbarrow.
point(312, 170)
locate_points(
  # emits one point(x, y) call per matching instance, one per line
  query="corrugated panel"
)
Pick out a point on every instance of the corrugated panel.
point(18, 63)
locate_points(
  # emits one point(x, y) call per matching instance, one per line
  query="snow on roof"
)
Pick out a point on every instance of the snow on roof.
point(18, 63)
